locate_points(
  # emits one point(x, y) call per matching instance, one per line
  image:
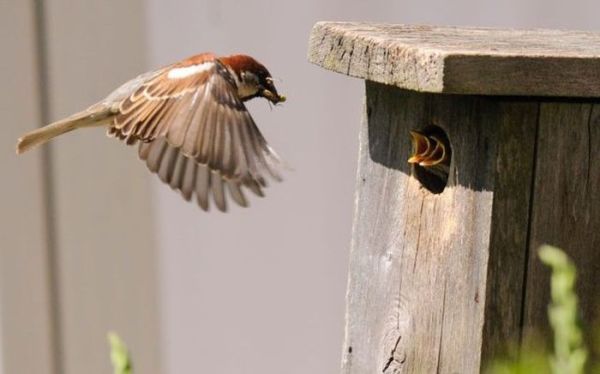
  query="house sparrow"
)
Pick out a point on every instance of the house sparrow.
point(431, 151)
point(192, 126)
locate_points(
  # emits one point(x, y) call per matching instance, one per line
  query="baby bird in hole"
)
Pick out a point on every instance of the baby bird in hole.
point(431, 151)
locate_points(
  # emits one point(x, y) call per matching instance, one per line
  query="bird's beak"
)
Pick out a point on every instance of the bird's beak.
point(428, 150)
point(421, 147)
point(273, 97)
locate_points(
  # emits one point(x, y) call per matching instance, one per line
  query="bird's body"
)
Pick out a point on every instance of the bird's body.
point(191, 124)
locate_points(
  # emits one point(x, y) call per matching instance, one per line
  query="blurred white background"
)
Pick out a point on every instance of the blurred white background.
point(257, 290)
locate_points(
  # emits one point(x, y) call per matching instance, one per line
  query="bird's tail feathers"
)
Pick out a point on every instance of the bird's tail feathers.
point(88, 118)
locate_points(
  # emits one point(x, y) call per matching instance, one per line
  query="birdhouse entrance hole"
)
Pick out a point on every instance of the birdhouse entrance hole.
point(431, 156)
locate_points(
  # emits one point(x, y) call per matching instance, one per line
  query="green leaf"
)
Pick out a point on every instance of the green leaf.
point(119, 355)
point(530, 361)
point(570, 354)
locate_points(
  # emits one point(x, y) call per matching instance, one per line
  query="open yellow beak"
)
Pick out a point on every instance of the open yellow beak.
point(427, 150)
point(421, 147)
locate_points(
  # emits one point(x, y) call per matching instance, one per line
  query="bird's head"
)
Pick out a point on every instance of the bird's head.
point(252, 78)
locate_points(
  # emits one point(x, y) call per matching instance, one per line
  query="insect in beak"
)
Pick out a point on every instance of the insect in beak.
point(273, 97)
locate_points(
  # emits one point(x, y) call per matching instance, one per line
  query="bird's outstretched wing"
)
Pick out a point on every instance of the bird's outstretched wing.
point(196, 133)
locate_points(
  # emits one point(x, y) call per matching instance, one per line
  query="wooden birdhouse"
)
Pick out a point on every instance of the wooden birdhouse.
point(502, 131)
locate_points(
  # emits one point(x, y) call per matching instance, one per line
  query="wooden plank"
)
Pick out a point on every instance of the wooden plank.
point(462, 60)
point(25, 293)
point(419, 261)
point(566, 205)
point(105, 234)
point(510, 227)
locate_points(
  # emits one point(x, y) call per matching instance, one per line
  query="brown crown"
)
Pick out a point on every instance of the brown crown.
point(241, 63)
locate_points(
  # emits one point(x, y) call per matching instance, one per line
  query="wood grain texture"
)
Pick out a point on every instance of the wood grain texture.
point(566, 205)
point(508, 250)
point(462, 60)
point(417, 296)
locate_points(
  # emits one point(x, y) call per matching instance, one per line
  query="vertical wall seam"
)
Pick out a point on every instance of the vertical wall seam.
point(528, 248)
point(589, 153)
point(48, 190)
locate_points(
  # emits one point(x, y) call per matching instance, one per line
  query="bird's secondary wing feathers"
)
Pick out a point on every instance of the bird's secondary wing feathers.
point(196, 133)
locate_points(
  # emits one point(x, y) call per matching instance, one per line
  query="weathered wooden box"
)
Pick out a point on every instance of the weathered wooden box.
point(441, 281)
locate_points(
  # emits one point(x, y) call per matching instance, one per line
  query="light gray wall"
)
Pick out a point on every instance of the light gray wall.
point(262, 290)
point(1, 342)
point(26, 318)
point(76, 236)
point(101, 203)
point(254, 291)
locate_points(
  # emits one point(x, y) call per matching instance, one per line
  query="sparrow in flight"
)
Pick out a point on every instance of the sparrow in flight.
point(191, 125)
